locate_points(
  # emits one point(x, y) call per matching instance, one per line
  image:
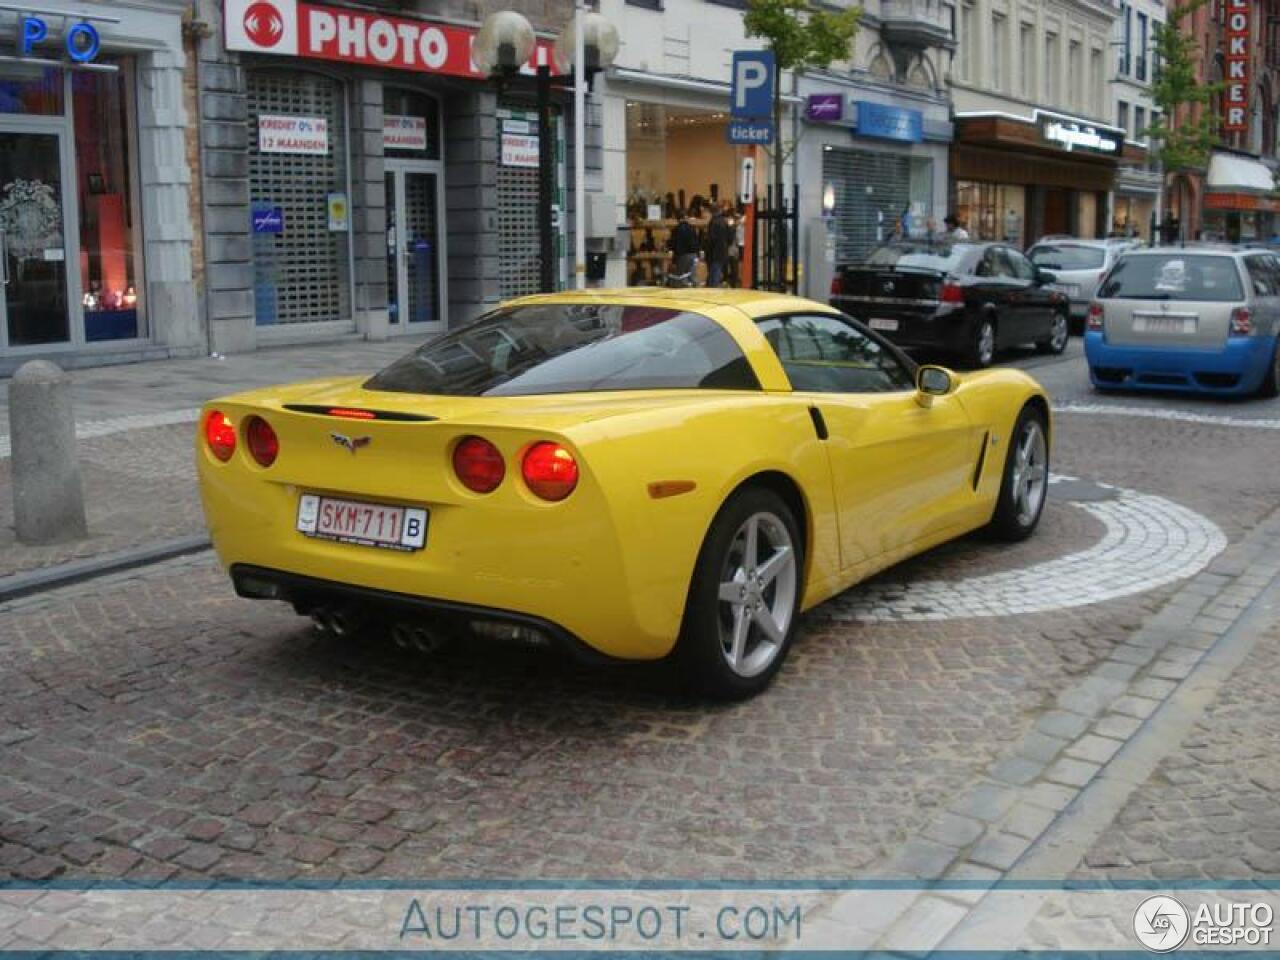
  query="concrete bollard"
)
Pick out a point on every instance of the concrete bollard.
point(48, 500)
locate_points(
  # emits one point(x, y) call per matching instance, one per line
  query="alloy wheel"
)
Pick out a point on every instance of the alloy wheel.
point(986, 343)
point(1030, 472)
point(757, 594)
point(1059, 333)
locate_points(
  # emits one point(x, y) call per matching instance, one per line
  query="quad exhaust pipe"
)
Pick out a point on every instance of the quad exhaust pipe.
point(413, 636)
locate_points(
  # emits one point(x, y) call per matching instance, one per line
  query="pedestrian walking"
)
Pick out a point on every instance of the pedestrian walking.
point(954, 232)
point(684, 248)
point(720, 237)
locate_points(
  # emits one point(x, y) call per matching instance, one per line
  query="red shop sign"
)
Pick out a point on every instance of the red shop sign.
point(291, 28)
point(1236, 96)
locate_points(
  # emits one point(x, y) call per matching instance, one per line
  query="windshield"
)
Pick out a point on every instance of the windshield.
point(943, 258)
point(1174, 276)
point(571, 348)
point(1068, 257)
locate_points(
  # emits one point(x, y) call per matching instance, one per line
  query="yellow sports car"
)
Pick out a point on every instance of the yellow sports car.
point(634, 474)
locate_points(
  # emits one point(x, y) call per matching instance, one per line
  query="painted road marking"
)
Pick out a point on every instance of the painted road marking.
point(1149, 542)
point(1186, 416)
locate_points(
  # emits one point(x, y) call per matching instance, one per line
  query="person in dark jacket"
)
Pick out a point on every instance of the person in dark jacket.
point(720, 236)
point(684, 246)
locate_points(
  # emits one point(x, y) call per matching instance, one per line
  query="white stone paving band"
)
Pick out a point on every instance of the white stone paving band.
point(1149, 542)
point(137, 421)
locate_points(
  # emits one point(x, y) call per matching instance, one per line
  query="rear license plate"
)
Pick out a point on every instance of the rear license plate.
point(1070, 289)
point(882, 323)
point(366, 524)
point(1157, 323)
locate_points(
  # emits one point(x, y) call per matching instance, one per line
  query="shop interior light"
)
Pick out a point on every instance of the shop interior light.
point(828, 199)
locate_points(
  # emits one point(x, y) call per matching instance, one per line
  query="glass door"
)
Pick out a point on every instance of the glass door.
point(33, 245)
point(415, 254)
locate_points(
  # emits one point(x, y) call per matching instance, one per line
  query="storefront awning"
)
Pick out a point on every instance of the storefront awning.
point(1231, 173)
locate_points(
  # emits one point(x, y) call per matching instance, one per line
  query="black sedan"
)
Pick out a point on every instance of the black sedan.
point(970, 299)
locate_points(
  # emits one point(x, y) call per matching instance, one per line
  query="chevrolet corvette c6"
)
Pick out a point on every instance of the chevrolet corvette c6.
point(633, 474)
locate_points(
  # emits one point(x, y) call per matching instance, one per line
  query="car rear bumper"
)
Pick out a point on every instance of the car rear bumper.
point(1236, 369)
point(949, 330)
point(308, 594)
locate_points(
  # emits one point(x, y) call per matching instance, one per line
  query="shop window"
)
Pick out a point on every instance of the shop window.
point(25, 90)
point(411, 124)
point(298, 192)
point(992, 211)
point(109, 276)
point(647, 4)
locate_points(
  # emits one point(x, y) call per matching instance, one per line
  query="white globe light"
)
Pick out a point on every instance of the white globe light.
point(600, 41)
point(504, 44)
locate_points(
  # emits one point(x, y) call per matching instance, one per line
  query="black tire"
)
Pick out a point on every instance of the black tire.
point(702, 653)
point(982, 345)
point(1012, 521)
point(1271, 379)
point(1059, 335)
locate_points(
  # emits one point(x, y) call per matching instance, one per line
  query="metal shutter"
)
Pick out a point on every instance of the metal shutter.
point(303, 274)
point(518, 250)
point(851, 172)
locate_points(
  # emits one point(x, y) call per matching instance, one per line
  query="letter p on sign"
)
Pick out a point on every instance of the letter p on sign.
point(752, 93)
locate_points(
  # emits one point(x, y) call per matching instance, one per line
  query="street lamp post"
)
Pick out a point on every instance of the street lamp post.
point(589, 44)
point(504, 45)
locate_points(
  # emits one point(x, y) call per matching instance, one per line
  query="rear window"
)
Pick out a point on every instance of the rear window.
point(1068, 257)
point(573, 348)
point(1173, 276)
point(943, 258)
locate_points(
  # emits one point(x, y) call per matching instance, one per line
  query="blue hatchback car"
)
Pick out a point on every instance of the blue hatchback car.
point(1205, 319)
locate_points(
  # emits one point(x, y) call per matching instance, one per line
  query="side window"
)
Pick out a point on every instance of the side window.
point(995, 264)
point(1022, 268)
point(826, 354)
point(1262, 276)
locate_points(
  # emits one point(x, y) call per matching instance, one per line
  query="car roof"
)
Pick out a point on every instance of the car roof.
point(1079, 242)
point(1199, 249)
point(754, 303)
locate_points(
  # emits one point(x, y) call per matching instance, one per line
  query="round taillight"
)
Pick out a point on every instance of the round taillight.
point(264, 445)
point(550, 470)
point(220, 434)
point(478, 464)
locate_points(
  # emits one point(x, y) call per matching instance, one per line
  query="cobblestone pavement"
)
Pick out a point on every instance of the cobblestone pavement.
point(138, 489)
point(157, 726)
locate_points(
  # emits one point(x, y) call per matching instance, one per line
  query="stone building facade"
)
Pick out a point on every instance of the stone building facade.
point(360, 177)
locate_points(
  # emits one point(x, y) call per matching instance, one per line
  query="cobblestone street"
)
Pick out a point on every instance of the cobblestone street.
point(155, 726)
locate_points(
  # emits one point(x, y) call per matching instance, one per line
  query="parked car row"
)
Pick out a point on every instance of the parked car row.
point(970, 299)
point(1201, 317)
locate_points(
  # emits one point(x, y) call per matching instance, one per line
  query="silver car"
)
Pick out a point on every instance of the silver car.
point(1202, 318)
point(1079, 266)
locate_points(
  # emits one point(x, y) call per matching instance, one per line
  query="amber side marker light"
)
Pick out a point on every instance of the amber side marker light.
point(670, 488)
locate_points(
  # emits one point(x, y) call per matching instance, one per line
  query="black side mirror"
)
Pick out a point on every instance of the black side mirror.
point(1045, 276)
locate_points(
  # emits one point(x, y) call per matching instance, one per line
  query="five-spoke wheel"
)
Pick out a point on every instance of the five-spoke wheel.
point(745, 596)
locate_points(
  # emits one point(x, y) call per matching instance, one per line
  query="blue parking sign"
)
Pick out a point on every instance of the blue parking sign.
point(752, 91)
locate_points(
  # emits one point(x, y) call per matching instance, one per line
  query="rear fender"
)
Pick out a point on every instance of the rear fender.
point(721, 448)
